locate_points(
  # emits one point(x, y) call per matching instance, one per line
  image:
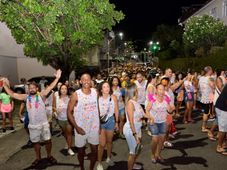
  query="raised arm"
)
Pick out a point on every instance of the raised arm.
point(52, 85)
point(11, 93)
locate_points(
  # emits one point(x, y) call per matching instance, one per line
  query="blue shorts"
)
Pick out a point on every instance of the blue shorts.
point(109, 125)
point(122, 112)
point(158, 129)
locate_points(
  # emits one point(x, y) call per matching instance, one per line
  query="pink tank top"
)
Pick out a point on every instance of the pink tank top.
point(86, 113)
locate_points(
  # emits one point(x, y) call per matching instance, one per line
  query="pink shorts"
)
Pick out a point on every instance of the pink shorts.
point(5, 108)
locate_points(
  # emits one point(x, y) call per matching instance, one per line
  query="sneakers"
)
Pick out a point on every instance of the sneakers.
point(70, 152)
point(110, 162)
point(137, 166)
point(167, 144)
point(100, 167)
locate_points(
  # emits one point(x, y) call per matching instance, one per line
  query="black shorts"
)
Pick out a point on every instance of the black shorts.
point(206, 107)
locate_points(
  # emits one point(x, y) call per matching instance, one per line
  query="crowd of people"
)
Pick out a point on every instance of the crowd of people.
point(93, 109)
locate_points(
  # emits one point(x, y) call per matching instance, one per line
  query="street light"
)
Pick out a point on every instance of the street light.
point(110, 38)
point(151, 42)
point(121, 35)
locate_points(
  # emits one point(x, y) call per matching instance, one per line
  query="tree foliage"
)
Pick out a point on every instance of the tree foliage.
point(58, 32)
point(170, 39)
point(204, 31)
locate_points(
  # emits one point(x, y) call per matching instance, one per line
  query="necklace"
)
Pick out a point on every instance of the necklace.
point(36, 101)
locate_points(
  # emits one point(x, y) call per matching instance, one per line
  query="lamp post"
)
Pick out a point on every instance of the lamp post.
point(110, 38)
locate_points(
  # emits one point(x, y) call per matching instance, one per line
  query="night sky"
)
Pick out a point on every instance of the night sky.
point(142, 16)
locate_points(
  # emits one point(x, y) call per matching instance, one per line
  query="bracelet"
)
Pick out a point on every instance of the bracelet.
point(134, 134)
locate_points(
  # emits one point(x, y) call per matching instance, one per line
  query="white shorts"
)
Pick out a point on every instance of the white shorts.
point(39, 133)
point(82, 140)
point(131, 141)
point(222, 120)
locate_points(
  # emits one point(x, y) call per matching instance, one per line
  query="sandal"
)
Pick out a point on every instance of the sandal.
point(35, 163)
point(222, 151)
point(161, 160)
point(52, 160)
point(204, 130)
point(153, 160)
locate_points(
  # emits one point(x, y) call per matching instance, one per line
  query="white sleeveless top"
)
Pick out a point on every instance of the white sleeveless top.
point(141, 88)
point(61, 107)
point(137, 114)
point(189, 88)
point(118, 94)
point(106, 106)
point(159, 111)
point(86, 113)
point(205, 90)
point(48, 103)
point(36, 111)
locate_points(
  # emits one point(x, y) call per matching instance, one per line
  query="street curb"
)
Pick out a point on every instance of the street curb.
point(11, 144)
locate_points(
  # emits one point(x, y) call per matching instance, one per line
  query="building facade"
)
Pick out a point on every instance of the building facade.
point(214, 8)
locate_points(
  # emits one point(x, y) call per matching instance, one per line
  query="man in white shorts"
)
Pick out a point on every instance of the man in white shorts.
point(38, 124)
point(84, 116)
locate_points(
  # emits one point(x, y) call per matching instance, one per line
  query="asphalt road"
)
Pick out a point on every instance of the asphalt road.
point(192, 150)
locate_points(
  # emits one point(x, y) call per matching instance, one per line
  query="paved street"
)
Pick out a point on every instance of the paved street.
point(192, 150)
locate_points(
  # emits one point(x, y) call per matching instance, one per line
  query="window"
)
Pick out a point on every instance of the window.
point(213, 12)
point(225, 8)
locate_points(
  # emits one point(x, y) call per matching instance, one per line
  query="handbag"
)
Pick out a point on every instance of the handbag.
point(104, 118)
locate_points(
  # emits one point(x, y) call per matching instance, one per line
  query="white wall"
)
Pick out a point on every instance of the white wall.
point(8, 45)
point(14, 64)
point(8, 68)
point(30, 67)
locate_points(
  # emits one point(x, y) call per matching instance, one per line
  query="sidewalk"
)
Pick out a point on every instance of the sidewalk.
point(16, 122)
point(12, 140)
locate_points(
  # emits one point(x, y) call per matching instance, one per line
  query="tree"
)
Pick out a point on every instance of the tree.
point(204, 31)
point(59, 32)
point(170, 39)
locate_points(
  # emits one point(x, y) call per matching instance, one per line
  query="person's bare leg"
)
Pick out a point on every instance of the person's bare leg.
point(160, 145)
point(205, 118)
point(80, 156)
point(3, 120)
point(131, 161)
point(10, 119)
point(37, 150)
point(221, 138)
point(48, 147)
point(109, 142)
point(190, 107)
point(102, 144)
point(121, 125)
point(94, 153)
point(68, 131)
point(154, 145)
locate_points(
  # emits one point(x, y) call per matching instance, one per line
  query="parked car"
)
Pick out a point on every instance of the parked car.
point(20, 88)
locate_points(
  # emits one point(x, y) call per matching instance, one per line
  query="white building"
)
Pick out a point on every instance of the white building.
point(14, 64)
point(215, 8)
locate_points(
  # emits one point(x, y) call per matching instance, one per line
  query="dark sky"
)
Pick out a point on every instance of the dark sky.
point(142, 16)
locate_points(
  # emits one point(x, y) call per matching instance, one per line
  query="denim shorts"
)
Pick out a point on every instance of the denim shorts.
point(158, 129)
point(122, 112)
point(109, 125)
